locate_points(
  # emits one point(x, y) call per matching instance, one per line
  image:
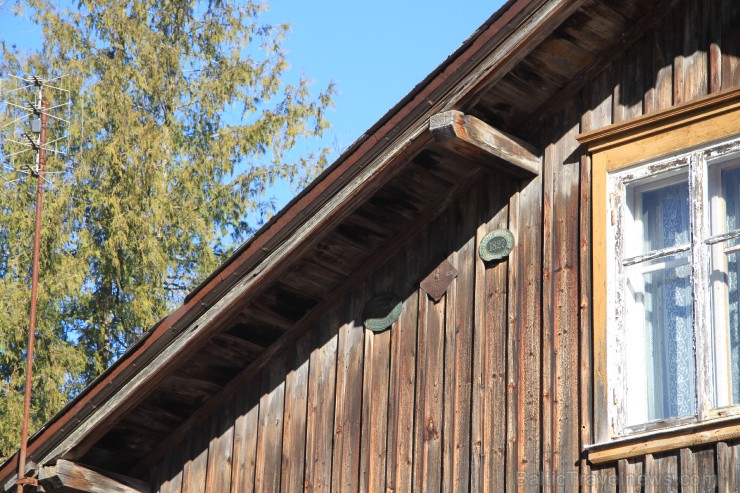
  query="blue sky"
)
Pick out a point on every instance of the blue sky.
point(375, 51)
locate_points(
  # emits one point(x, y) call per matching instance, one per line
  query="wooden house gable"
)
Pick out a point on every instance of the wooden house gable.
point(266, 379)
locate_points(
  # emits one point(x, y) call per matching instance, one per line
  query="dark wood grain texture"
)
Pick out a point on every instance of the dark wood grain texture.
point(294, 421)
point(321, 403)
point(348, 404)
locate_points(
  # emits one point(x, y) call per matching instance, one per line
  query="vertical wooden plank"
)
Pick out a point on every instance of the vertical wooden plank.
point(705, 460)
point(647, 81)
point(665, 476)
point(194, 472)
point(565, 305)
point(549, 163)
point(637, 474)
point(728, 467)
point(512, 351)
point(593, 358)
point(321, 404)
point(629, 476)
point(649, 474)
point(458, 348)
point(695, 62)
point(375, 400)
point(294, 424)
point(348, 409)
point(618, 95)
point(650, 71)
point(676, 40)
point(528, 290)
point(162, 482)
point(605, 480)
point(560, 444)
point(482, 380)
point(713, 12)
point(270, 434)
point(596, 114)
point(220, 449)
point(688, 471)
point(660, 97)
point(246, 425)
point(523, 365)
point(628, 92)
point(730, 44)
point(488, 420)
point(176, 470)
point(585, 329)
point(430, 379)
point(429, 395)
point(632, 82)
point(403, 380)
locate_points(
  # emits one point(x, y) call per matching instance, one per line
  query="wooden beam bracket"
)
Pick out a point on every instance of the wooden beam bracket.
point(71, 477)
point(478, 142)
point(11, 483)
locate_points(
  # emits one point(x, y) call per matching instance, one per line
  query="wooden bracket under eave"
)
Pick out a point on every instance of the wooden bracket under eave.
point(482, 144)
point(68, 476)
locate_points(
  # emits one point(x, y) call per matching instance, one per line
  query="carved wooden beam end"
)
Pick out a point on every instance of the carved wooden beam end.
point(70, 477)
point(478, 142)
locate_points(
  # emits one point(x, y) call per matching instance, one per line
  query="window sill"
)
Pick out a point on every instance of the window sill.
point(664, 440)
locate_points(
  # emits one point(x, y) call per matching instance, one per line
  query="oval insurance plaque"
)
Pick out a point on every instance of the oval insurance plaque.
point(496, 245)
point(381, 311)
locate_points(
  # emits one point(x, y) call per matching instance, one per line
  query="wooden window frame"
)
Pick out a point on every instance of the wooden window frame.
point(672, 132)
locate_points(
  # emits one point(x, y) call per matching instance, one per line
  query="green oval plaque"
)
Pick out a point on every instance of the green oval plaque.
point(381, 311)
point(496, 245)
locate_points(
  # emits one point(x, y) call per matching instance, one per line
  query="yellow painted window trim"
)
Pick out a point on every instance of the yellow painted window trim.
point(673, 131)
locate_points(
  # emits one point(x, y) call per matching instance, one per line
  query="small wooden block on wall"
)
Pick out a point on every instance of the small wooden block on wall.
point(436, 283)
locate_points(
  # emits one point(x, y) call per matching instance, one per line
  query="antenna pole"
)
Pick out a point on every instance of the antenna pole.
point(41, 162)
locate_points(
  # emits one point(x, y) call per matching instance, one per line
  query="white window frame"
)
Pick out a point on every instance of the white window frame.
point(696, 164)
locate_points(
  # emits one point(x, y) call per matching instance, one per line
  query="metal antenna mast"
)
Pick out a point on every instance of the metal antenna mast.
point(39, 113)
point(42, 106)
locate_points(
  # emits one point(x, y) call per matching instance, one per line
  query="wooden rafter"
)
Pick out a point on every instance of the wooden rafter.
point(478, 142)
point(607, 57)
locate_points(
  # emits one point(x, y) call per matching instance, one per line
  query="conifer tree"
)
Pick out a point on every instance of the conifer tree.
point(182, 121)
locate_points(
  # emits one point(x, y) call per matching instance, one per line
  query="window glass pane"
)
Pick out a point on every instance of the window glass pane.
point(726, 321)
point(730, 186)
point(659, 340)
point(664, 214)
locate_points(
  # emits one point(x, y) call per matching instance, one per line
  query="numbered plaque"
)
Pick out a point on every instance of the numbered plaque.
point(496, 245)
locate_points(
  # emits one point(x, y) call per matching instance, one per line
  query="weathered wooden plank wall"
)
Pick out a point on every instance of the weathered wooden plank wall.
point(349, 410)
point(490, 388)
point(694, 53)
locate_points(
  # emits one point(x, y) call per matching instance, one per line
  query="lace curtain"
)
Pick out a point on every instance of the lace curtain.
point(731, 193)
point(666, 304)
